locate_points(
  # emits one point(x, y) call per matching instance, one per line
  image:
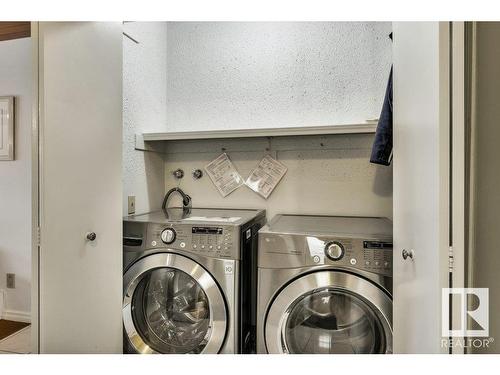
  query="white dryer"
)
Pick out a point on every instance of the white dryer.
point(324, 285)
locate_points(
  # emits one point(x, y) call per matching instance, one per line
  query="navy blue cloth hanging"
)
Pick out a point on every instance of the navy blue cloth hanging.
point(382, 146)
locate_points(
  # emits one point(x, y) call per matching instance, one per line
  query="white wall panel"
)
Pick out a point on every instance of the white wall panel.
point(421, 190)
point(80, 282)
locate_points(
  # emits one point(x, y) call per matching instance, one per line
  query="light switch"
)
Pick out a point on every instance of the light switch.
point(131, 204)
point(11, 281)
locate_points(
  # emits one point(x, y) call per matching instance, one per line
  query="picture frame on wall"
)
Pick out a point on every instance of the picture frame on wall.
point(6, 128)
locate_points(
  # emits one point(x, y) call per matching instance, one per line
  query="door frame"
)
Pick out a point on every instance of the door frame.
point(461, 68)
point(35, 193)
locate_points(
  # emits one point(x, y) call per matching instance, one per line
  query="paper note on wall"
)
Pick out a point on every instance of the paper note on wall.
point(266, 176)
point(224, 175)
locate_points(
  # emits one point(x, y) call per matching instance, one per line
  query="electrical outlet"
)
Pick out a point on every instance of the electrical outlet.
point(131, 204)
point(11, 280)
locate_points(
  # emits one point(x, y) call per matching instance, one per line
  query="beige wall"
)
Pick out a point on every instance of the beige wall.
point(144, 106)
point(15, 181)
point(327, 175)
point(486, 249)
point(166, 80)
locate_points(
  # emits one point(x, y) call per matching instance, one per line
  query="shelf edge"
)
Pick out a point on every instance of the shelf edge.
point(256, 133)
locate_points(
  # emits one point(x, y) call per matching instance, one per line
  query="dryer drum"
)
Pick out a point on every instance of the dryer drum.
point(331, 321)
point(329, 312)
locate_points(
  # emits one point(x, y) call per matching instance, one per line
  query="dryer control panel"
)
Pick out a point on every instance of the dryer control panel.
point(290, 250)
point(369, 255)
point(218, 241)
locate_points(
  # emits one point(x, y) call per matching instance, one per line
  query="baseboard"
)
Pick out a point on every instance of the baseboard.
point(18, 316)
point(2, 299)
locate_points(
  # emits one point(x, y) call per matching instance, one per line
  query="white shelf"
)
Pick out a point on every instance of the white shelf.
point(368, 127)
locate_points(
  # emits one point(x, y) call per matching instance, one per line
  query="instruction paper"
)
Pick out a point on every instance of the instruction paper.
point(224, 175)
point(266, 176)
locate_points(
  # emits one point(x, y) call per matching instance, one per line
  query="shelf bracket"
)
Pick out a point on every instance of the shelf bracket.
point(141, 145)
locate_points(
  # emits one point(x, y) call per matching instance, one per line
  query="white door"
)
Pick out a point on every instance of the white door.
point(421, 183)
point(80, 124)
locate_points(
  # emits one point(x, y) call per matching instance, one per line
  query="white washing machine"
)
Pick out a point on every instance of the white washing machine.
point(189, 281)
point(324, 285)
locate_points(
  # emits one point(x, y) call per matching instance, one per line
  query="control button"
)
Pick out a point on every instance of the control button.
point(377, 263)
point(386, 264)
point(168, 236)
point(218, 247)
point(225, 247)
point(153, 243)
point(194, 246)
point(316, 259)
point(367, 262)
point(334, 250)
point(210, 247)
point(353, 261)
point(182, 245)
point(202, 246)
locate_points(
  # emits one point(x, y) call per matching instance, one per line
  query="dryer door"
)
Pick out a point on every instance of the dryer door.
point(330, 312)
point(171, 304)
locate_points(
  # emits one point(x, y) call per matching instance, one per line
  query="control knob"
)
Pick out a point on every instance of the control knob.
point(168, 236)
point(334, 250)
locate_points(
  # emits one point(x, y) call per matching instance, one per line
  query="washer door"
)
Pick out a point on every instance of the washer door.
point(173, 305)
point(329, 312)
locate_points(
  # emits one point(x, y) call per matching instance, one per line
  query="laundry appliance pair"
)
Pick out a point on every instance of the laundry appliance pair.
point(190, 283)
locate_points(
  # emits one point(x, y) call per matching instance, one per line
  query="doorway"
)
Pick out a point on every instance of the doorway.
point(16, 100)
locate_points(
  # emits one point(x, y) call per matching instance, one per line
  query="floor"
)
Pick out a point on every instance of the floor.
point(17, 343)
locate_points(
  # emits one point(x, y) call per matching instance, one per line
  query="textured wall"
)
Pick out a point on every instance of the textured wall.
point(274, 74)
point(213, 75)
point(144, 106)
point(328, 175)
point(15, 177)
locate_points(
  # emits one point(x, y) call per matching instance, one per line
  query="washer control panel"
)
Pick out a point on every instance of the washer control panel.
point(208, 240)
point(214, 239)
point(168, 235)
point(334, 250)
point(377, 256)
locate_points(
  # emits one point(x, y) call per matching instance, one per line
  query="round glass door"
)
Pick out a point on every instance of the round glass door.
point(171, 312)
point(171, 304)
point(329, 312)
point(329, 321)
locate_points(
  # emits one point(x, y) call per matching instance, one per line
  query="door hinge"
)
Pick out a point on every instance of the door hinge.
point(38, 240)
point(450, 259)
